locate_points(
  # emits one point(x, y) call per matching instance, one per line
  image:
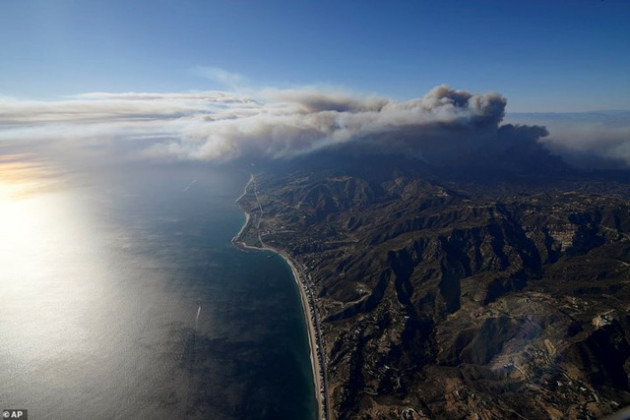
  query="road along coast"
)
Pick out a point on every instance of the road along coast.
point(308, 300)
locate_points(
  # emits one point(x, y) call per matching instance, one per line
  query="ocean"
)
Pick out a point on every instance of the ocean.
point(121, 297)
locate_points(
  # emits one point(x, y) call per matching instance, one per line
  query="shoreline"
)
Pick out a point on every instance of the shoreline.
point(247, 216)
point(307, 309)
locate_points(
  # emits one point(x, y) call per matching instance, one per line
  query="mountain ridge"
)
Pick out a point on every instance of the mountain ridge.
point(447, 296)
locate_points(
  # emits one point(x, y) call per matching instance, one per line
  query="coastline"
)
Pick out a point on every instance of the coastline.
point(247, 216)
point(314, 336)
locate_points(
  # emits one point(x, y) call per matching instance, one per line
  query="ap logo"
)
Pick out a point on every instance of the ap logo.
point(14, 414)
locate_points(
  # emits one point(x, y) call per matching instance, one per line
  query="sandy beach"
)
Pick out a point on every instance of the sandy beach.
point(313, 333)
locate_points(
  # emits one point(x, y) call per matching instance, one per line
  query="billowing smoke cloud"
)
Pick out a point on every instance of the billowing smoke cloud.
point(598, 139)
point(219, 126)
point(275, 124)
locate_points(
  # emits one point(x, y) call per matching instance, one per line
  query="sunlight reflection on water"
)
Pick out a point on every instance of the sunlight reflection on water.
point(101, 281)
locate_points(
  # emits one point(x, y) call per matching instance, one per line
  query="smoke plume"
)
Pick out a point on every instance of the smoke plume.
point(443, 125)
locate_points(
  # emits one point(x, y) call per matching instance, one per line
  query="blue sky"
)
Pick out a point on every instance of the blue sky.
point(542, 55)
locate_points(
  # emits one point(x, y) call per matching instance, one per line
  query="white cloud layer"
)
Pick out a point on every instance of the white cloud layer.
point(220, 76)
point(219, 126)
point(222, 126)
